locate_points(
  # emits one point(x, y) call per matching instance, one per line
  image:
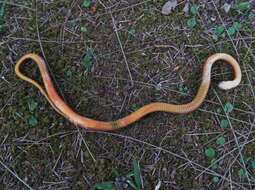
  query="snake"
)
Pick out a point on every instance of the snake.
point(60, 106)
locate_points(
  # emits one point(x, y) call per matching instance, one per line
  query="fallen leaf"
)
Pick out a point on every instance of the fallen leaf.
point(186, 9)
point(227, 7)
point(168, 7)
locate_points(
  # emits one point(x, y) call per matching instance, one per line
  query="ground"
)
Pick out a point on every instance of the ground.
point(107, 60)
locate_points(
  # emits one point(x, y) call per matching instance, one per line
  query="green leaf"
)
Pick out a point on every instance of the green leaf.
point(220, 141)
point(131, 184)
point(218, 110)
point(87, 62)
point(245, 160)
point(2, 9)
point(194, 9)
point(215, 37)
point(219, 30)
point(237, 25)
point(253, 164)
point(2, 12)
point(130, 175)
point(104, 186)
point(134, 107)
point(231, 30)
point(251, 15)
point(115, 173)
point(137, 174)
point(210, 152)
point(224, 124)
point(214, 164)
point(84, 29)
point(88, 59)
point(131, 31)
point(2, 27)
point(241, 172)
point(243, 6)
point(192, 22)
point(228, 107)
point(216, 179)
point(32, 105)
point(86, 3)
point(32, 121)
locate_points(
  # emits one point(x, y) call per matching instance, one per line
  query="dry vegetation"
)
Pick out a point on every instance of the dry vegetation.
point(137, 56)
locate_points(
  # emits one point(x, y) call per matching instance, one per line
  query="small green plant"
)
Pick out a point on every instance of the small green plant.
point(183, 89)
point(133, 180)
point(239, 6)
point(252, 164)
point(228, 107)
point(218, 32)
point(192, 22)
point(241, 172)
point(32, 121)
point(194, 9)
point(232, 30)
point(210, 152)
point(137, 174)
point(131, 32)
point(216, 179)
point(134, 107)
point(2, 13)
point(32, 106)
point(88, 58)
point(86, 3)
point(242, 6)
point(84, 29)
point(220, 141)
point(224, 124)
point(214, 164)
point(104, 186)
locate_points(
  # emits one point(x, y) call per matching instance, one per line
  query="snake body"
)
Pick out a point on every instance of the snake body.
point(62, 108)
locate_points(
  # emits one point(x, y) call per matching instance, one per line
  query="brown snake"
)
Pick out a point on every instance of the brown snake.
point(62, 108)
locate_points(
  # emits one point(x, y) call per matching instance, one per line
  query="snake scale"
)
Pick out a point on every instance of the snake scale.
point(62, 108)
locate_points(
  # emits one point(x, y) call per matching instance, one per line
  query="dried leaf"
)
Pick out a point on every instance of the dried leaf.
point(186, 9)
point(227, 7)
point(169, 7)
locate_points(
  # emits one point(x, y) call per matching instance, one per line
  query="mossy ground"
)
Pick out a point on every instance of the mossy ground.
point(163, 55)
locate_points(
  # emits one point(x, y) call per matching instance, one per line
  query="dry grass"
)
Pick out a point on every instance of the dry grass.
point(140, 56)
